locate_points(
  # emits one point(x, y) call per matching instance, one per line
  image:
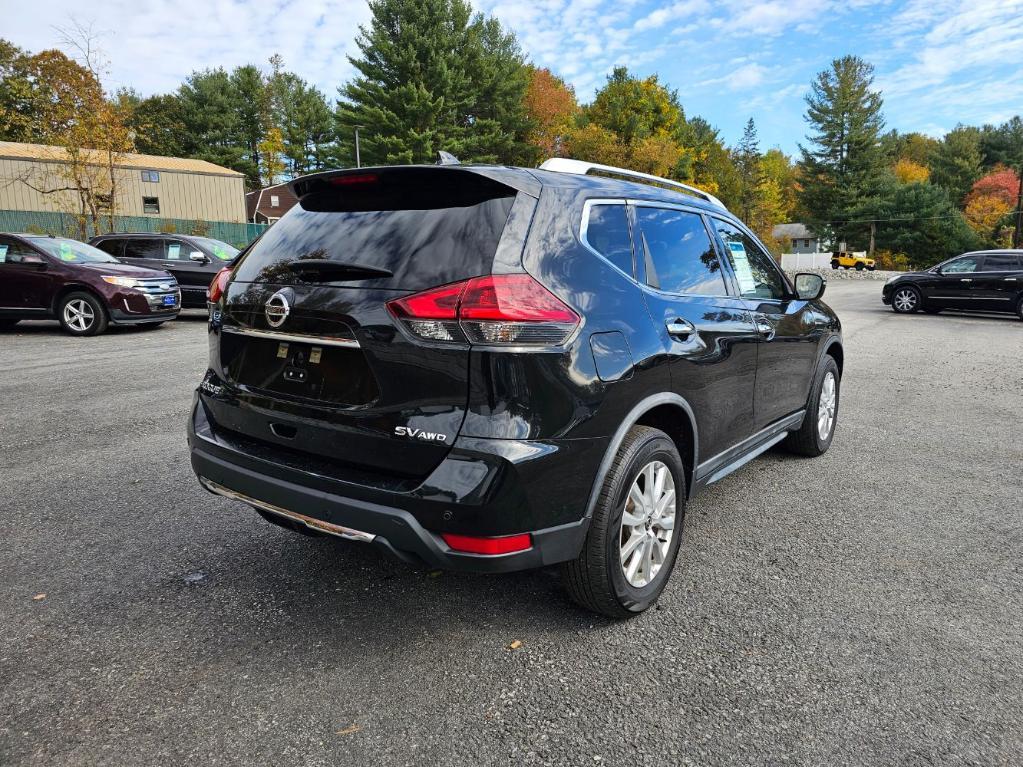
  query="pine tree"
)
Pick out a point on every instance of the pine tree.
point(433, 76)
point(956, 162)
point(844, 161)
point(747, 163)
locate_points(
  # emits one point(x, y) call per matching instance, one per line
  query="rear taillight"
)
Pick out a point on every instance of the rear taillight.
point(503, 309)
point(216, 289)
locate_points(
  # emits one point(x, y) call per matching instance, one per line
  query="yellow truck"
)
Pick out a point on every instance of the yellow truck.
point(851, 261)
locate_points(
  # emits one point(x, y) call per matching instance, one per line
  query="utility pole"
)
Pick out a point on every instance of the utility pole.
point(1017, 235)
point(873, 231)
point(358, 160)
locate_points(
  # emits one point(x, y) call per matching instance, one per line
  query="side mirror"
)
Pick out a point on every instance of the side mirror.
point(196, 255)
point(809, 286)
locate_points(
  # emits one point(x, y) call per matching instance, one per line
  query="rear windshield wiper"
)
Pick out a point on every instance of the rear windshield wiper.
point(324, 269)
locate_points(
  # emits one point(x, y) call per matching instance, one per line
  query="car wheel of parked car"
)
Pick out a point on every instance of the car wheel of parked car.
point(6, 324)
point(835, 264)
point(1019, 309)
point(814, 437)
point(860, 267)
point(82, 314)
point(872, 268)
point(906, 300)
point(635, 530)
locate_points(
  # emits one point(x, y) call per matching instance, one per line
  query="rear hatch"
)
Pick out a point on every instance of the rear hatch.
point(314, 360)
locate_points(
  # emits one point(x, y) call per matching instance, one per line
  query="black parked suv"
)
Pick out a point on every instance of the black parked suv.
point(492, 368)
point(985, 281)
point(194, 261)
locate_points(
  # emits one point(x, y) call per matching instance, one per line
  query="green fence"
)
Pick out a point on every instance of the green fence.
point(66, 225)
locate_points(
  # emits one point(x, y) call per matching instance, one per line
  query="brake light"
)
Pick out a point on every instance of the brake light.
point(354, 179)
point(505, 544)
point(219, 284)
point(502, 309)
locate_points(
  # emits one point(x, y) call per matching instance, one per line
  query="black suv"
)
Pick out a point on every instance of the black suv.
point(985, 281)
point(493, 368)
point(194, 261)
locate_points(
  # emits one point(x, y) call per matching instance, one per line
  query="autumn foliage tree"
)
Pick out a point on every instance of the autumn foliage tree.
point(551, 110)
point(990, 205)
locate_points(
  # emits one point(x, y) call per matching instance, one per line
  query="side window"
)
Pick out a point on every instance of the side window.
point(607, 232)
point(14, 252)
point(176, 250)
point(961, 265)
point(998, 262)
point(754, 269)
point(677, 253)
point(113, 247)
point(140, 248)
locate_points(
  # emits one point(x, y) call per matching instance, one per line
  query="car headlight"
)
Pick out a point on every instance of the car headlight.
point(124, 282)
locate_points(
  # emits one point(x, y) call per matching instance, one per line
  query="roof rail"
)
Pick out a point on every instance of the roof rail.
point(583, 168)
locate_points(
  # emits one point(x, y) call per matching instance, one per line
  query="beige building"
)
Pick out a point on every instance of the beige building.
point(33, 177)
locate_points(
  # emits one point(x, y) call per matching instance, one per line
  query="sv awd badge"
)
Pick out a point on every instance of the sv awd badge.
point(426, 436)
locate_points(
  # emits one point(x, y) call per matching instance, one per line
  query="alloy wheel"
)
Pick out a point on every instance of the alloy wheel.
point(79, 314)
point(905, 300)
point(648, 523)
point(826, 406)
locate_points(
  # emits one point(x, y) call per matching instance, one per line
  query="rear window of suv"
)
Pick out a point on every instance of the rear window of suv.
point(426, 227)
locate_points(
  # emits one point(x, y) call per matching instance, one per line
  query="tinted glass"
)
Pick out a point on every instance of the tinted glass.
point(425, 227)
point(72, 251)
point(607, 232)
point(961, 265)
point(177, 250)
point(754, 268)
point(677, 253)
point(14, 252)
point(1002, 263)
point(113, 247)
point(139, 248)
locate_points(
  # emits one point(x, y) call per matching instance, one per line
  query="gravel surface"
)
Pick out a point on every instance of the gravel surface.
point(863, 608)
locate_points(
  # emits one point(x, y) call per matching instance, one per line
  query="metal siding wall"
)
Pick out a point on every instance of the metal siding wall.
point(187, 196)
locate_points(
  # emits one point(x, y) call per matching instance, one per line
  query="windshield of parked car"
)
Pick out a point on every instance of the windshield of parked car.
point(221, 250)
point(72, 251)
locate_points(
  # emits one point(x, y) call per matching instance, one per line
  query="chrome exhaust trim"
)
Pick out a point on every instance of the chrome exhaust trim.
point(314, 524)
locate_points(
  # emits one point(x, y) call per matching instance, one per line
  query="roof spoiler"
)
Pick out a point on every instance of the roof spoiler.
point(514, 178)
point(583, 168)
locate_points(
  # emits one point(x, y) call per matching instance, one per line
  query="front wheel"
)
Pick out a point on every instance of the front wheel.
point(871, 268)
point(814, 437)
point(634, 534)
point(906, 300)
point(82, 314)
point(835, 265)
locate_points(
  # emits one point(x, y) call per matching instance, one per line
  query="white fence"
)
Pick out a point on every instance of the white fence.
point(794, 261)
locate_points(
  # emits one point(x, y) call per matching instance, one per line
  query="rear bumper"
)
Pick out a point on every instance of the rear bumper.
point(395, 520)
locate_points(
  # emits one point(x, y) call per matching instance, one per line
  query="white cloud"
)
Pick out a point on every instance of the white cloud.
point(673, 12)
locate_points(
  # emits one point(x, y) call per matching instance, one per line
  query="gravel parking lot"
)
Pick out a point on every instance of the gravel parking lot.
point(861, 608)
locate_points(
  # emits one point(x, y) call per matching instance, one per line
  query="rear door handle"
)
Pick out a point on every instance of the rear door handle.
point(966, 279)
point(680, 327)
point(1010, 279)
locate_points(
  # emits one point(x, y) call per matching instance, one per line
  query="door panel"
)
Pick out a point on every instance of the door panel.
point(1000, 282)
point(954, 287)
point(193, 276)
point(709, 336)
point(24, 286)
point(788, 329)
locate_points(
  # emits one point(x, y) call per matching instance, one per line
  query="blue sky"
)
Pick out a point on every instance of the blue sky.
point(939, 62)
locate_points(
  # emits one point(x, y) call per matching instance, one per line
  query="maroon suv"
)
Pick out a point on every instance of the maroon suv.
point(81, 286)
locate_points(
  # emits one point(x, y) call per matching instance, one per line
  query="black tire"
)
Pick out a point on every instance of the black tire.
point(912, 300)
point(871, 268)
point(860, 266)
point(835, 265)
point(1019, 308)
point(97, 322)
point(596, 580)
point(807, 440)
point(7, 324)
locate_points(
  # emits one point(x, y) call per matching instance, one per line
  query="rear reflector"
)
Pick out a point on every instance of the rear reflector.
point(502, 309)
point(506, 544)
